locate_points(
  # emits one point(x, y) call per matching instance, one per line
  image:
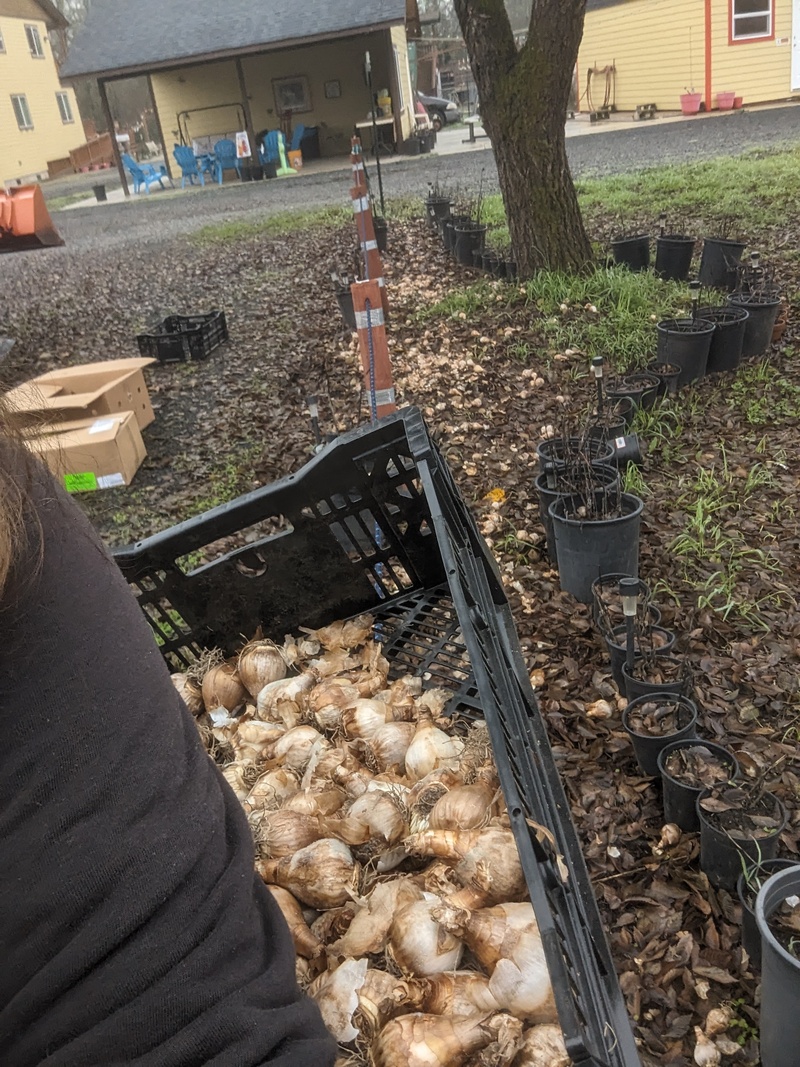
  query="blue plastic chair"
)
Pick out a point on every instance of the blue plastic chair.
point(225, 153)
point(297, 136)
point(186, 160)
point(271, 152)
point(145, 175)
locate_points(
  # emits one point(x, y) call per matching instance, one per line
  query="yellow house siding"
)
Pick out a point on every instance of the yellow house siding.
point(659, 50)
point(758, 71)
point(24, 153)
point(649, 42)
point(339, 61)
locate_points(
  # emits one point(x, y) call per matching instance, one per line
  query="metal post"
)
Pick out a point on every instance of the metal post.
point(101, 85)
point(375, 143)
point(159, 128)
point(248, 115)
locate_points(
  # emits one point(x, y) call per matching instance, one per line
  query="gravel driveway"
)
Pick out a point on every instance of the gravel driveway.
point(626, 147)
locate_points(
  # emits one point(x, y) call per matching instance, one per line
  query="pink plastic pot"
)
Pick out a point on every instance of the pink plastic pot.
point(725, 101)
point(737, 102)
point(690, 103)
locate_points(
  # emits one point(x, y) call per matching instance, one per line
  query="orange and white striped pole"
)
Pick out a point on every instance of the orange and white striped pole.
point(362, 211)
point(372, 341)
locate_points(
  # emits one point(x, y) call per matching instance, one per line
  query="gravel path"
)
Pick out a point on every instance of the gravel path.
point(621, 149)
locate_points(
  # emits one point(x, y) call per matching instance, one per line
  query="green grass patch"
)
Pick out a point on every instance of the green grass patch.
point(763, 395)
point(279, 225)
point(749, 192)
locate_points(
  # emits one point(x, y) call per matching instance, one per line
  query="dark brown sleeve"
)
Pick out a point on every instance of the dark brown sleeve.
point(132, 927)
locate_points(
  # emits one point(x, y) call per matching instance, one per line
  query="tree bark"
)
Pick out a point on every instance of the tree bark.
point(524, 94)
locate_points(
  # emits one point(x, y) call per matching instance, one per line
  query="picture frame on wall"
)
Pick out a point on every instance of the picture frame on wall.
point(292, 94)
point(333, 90)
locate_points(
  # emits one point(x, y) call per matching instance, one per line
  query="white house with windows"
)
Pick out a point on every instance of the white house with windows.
point(39, 118)
point(652, 51)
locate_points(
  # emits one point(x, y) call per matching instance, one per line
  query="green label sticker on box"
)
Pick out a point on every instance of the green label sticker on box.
point(80, 483)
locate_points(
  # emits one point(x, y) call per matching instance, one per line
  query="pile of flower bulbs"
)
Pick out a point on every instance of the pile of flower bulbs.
point(385, 842)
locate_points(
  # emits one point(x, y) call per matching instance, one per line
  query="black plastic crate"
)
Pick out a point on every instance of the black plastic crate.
point(375, 523)
point(180, 338)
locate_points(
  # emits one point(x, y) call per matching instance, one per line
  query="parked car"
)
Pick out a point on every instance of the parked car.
point(442, 112)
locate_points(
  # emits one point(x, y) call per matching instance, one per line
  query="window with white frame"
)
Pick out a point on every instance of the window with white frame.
point(65, 108)
point(751, 18)
point(22, 112)
point(34, 42)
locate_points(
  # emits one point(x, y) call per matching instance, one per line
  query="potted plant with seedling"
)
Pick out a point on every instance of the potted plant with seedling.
point(691, 101)
point(748, 886)
point(470, 235)
point(737, 820)
point(596, 532)
point(674, 251)
point(607, 610)
point(758, 295)
point(636, 633)
point(438, 204)
point(631, 250)
point(568, 465)
point(778, 918)
point(612, 416)
point(687, 768)
point(686, 342)
point(721, 258)
point(656, 720)
point(656, 671)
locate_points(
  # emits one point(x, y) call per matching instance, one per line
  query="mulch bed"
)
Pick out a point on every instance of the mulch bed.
point(675, 940)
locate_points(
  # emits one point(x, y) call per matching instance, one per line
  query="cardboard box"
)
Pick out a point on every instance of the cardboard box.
point(91, 454)
point(90, 390)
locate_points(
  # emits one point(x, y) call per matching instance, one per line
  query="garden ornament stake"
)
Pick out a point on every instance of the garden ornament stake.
point(313, 411)
point(694, 292)
point(629, 591)
point(662, 220)
point(597, 370)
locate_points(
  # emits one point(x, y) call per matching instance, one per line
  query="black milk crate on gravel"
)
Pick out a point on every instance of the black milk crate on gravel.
point(375, 524)
point(181, 338)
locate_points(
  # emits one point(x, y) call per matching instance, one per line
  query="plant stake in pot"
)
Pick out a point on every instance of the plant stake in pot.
point(687, 768)
point(629, 593)
point(747, 887)
point(597, 370)
point(778, 917)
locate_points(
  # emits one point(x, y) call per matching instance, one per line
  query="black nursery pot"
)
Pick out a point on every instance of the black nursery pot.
point(674, 253)
point(617, 653)
point(680, 798)
point(648, 747)
point(437, 207)
point(780, 977)
point(381, 232)
point(685, 342)
point(751, 938)
point(725, 352)
point(606, 477)
point(589, 548)
point(448, 228)
point(640, 388)
point(632, 252)
point(615, 420)
point(555, 450)
point(721, 857)
point(762, 311)
point(638, 687)
point(668, 375)
point(469, 238)
point(720, 262)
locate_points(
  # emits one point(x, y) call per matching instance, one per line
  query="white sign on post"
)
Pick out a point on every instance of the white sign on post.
point(243, 145)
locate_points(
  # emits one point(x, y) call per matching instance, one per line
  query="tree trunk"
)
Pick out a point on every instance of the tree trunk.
point(524, 94)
